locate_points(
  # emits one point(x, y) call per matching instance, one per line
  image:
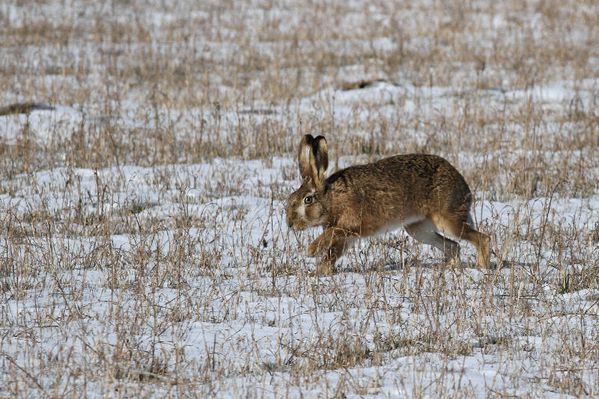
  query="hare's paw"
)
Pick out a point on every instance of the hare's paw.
point(452, 255)
point(325, 268)
point(316, 247)
point(454, 261)
point(483, 254)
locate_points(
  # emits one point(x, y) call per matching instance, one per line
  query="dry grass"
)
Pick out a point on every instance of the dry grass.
point(124, 271)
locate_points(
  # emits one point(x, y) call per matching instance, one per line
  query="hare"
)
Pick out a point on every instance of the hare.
point(423, 193)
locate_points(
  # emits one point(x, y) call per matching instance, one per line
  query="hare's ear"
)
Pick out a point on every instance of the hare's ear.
point(321, 157)
point(313, 158)
point(305, 157)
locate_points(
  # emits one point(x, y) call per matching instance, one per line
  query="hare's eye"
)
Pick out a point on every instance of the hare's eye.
point(308, 199)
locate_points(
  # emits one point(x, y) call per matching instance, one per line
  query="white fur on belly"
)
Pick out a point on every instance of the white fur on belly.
point(396, 224)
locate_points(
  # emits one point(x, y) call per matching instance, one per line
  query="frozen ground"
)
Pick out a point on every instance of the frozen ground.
point(170, 284)
point(143, 244)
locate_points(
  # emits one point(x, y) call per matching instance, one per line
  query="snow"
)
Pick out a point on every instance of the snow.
point(41, 126)
point(183, 279)
point(254, 324)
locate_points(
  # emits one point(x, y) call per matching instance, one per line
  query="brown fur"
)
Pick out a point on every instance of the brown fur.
point(423, 193)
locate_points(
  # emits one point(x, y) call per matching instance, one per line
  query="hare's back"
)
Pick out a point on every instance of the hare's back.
point(418, 180)
point(428, 171)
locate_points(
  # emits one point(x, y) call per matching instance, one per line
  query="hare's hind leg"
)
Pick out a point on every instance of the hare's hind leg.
point(482, 243)
point(425, 231)
point(458, 226)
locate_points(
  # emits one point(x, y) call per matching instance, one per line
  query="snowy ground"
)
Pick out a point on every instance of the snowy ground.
point(143, 244)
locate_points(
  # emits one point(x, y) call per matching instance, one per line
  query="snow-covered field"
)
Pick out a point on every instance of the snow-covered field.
point(143, 244)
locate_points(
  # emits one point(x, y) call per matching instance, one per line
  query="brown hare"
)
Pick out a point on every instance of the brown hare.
point(423, 193)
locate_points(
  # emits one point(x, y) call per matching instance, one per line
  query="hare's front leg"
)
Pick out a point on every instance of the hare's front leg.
point(331, 244)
